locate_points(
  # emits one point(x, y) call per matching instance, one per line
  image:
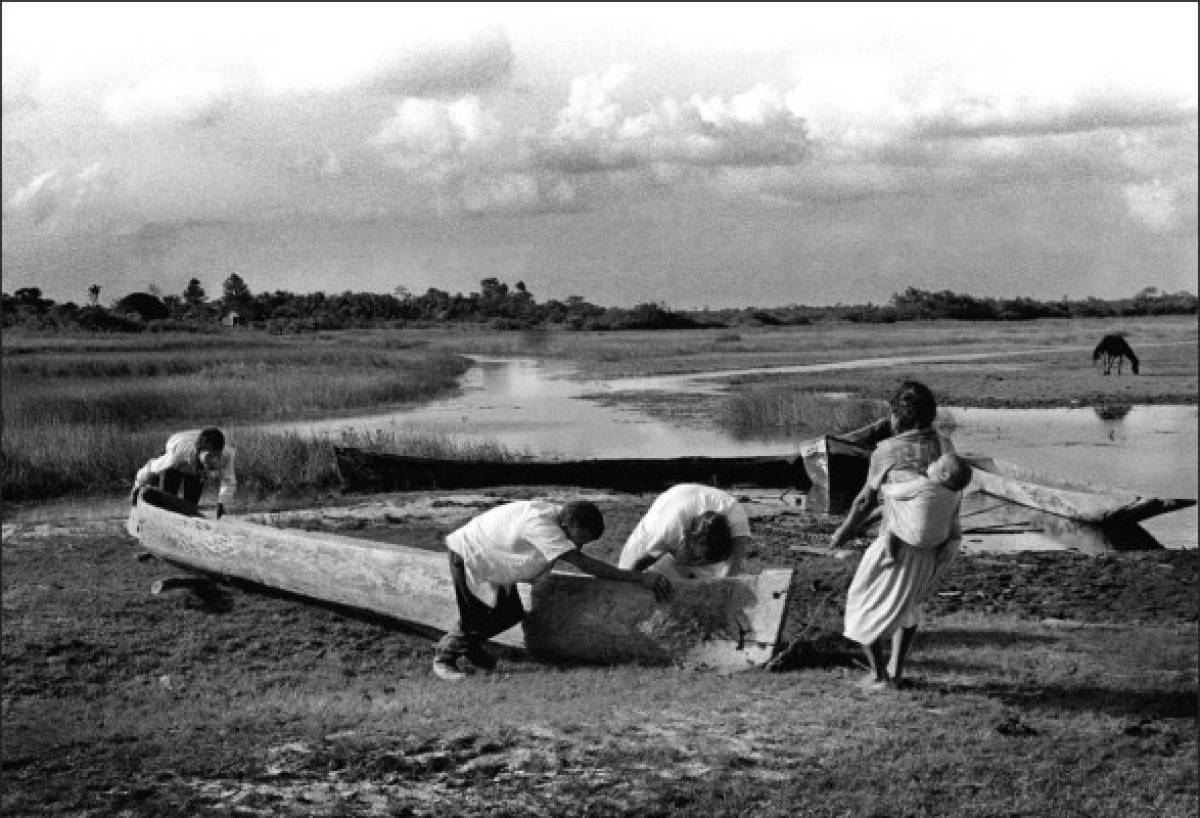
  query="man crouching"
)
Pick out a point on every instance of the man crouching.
point(517, 542)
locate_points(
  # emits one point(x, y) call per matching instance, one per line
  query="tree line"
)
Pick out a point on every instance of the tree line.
point(498, 306)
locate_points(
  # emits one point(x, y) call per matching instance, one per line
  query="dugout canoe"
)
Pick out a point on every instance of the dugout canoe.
point(731, 624)
point(1074, 499)
point(838, 469)
point(365, 471)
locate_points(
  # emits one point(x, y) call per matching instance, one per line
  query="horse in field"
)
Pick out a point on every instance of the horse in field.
point(1114, 349)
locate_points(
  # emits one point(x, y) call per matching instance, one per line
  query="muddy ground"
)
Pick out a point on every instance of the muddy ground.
point(116, 702)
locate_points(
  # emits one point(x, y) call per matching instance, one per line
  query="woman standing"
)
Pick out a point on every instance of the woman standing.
point(885, 600)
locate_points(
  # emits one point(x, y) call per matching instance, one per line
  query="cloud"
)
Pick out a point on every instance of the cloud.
point(1152, 203)
point(387, 60)
point(430, 134)
point(1016, 116)
point(593, 133)
point(174, 97)
point(56, 194)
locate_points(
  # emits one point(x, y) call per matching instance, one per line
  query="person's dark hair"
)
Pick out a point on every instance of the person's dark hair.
point(583, 517)
point(711, 537)
point(211, 440)
point(914, 406)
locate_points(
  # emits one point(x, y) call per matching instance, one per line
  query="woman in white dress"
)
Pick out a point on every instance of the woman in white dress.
point(885, 599)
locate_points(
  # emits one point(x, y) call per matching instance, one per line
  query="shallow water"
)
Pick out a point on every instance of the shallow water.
point(537, 407)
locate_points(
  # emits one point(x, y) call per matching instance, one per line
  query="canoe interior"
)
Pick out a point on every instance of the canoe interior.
point(363, 471)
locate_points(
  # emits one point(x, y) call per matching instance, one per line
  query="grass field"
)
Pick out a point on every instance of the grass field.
point(1046, 685)
point(82, 413)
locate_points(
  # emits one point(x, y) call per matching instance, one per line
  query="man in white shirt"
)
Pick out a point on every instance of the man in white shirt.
point(704, 531)
point(185, 465)
point(517, 542)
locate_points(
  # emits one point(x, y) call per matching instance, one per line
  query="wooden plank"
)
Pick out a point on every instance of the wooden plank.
point(730, 623)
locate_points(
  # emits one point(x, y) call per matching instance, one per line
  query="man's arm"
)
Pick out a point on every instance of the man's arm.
point(645, 562)
point(737, 557)
point(660, 585)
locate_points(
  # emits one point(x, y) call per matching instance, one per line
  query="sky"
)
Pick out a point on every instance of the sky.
point(693, 155)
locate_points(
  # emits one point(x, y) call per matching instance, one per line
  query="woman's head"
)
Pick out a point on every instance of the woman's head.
point(913, 406)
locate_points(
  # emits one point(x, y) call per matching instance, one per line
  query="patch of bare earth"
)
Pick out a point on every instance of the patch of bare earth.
point(1043, 683)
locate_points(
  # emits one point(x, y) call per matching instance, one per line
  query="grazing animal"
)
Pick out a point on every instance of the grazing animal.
point(1114, 349)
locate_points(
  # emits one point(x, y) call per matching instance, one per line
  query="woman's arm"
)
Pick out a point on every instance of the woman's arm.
point(660, 585)
point(859, 509)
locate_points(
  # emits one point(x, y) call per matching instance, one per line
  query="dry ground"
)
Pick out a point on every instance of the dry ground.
point(1047, 684)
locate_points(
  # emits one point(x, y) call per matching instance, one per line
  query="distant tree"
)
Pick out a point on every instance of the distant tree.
point(193, 294)
point(94, 294)
point(237, 296)
point(148, 306)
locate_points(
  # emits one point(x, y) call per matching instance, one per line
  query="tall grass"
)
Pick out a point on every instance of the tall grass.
point(81, 415)
point(771, 410)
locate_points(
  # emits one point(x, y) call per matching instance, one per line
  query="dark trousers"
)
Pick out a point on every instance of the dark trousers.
point(477, 622)
point(192, 484)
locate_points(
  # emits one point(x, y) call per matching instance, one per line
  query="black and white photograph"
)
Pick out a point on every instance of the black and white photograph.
point(599, 409)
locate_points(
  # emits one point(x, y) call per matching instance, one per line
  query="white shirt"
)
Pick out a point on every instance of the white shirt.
point(661, 531)
point(515, 542)
point(181, 455)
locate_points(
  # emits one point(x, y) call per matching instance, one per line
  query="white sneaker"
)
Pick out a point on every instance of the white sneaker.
point(447, 670)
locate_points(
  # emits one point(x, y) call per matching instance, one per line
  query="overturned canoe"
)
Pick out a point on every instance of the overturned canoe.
point(375, 472)
point(732, 623)
point(1075, 499)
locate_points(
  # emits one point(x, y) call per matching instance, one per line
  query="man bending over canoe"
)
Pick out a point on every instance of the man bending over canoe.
point(184, 467)
point(690, 531)
point(517, 542)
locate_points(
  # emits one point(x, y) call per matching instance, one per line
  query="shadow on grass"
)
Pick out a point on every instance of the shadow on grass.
point(1145, 703)
point(975, 638)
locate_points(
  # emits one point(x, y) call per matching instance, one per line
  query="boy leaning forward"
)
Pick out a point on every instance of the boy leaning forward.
point(517, 542)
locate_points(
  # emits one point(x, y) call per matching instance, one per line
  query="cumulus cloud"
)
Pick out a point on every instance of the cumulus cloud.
point(424, 133)
point(594, 133)
point(57, 194)
point(180, 97)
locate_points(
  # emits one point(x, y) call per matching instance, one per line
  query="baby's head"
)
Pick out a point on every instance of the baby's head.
point(951, 471)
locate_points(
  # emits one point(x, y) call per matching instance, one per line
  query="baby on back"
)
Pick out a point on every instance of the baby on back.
point(923, 512)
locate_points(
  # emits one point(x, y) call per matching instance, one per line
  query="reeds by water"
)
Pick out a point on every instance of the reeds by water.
point(81, 415)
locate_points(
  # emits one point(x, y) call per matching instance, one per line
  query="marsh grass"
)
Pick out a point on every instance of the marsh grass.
point(82, 414)
point(772, 410)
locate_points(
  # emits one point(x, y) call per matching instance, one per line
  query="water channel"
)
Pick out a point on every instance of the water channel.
point(543, 408)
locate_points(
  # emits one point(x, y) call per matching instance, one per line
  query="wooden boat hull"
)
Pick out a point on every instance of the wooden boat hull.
point(732, 623)
point(1074, 499)
point(837, 467)
point(363, 471)
point(838, 471)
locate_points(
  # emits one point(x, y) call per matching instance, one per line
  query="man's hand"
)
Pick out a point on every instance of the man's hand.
point(656, 582)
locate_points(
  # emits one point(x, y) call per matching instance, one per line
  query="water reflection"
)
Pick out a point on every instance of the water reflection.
point(539, 407)
point(1112, 411)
